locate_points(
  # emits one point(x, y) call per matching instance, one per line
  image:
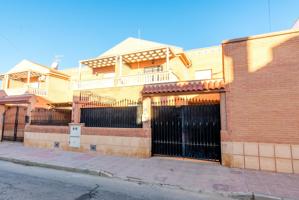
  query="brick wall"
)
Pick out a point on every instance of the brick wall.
point(262, 92)
point(110, 141)
point(262, 98)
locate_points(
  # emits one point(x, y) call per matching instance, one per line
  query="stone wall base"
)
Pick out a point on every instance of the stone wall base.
point(261, 156)
point(108, 145)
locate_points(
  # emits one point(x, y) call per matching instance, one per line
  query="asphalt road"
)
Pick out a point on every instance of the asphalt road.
point(18, 182)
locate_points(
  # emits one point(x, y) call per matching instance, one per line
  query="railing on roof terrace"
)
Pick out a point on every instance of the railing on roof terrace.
point(149, 78)
point(131, 80)
point(92, 84)
point(26, 90)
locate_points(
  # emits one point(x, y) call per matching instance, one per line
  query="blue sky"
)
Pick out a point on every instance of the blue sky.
point(80, 29)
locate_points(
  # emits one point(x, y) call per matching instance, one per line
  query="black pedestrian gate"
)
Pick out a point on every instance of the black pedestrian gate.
point(13, 123)
point(191, 131)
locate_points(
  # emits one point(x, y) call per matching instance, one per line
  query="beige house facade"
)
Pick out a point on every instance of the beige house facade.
point(234, 103)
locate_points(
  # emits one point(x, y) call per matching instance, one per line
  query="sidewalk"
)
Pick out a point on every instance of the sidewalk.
point(187, 175)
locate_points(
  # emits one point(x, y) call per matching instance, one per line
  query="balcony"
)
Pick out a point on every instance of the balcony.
point(26, 90)
point(150, 78)
point(132, 80)
point(93, 84)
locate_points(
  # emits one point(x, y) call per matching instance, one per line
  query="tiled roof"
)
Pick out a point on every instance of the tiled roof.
point(15, 99)
point(186, 86)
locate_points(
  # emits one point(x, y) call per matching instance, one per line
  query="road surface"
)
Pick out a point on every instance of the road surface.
point(18, 182)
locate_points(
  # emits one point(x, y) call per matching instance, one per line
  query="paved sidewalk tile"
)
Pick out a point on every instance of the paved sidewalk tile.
point(191, 175)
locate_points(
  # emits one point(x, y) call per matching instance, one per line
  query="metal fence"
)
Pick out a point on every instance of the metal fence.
point(98, 111)
point(51, 117)
point(116, 117)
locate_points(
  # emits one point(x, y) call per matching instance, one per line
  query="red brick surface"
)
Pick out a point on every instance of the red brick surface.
point(47, 129)
point(125, 132)
point(262, 76)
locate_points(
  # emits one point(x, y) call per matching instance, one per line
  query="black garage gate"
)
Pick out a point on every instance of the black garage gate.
point(191, 131)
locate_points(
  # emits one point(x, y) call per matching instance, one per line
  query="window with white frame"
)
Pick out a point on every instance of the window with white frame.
point(109, 75)
point(203, 74)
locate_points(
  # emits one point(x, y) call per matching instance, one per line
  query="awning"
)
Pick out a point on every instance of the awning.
point(186, 86)
point(21, 75)
point(133, 57)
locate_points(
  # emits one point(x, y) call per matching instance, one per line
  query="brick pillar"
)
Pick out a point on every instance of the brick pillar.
point(226, 144)
point(146, 112)
point(146, 120)
point(76, 110)
point(2, 110)
point(223, 112)
point(30, 107)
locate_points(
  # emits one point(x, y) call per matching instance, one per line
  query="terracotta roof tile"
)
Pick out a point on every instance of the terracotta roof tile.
point(187, 86)
point(15, 99)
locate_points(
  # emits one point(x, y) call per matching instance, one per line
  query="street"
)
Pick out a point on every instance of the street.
point(20, 182)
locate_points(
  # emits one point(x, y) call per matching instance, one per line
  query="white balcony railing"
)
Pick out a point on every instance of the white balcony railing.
point(150, 78)
point(132, 80)
point(26, 90)
point(92, 84)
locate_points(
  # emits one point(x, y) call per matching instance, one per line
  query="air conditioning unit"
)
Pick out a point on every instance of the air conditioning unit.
point(42, 78)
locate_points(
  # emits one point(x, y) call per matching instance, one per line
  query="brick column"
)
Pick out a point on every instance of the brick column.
point(146, 112)
point(226, 144)
point(76, 110)
point(30, 107)
point(2, 110)
point(146, 120)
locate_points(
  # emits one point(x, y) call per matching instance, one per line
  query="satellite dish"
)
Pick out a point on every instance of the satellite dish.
point(55, 63)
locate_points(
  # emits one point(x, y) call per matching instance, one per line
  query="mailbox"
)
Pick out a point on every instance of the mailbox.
point(75, 134)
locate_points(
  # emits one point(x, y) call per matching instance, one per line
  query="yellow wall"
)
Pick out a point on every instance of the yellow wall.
point(206, 58)
point(201, 59)
point(59, 90)
point(118, 93)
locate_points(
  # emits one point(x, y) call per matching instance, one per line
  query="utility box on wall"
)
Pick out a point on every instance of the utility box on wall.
point(75, 134)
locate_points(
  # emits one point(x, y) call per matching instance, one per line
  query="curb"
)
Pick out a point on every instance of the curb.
point(105, 174)
point(57, 167)
point(254, 196)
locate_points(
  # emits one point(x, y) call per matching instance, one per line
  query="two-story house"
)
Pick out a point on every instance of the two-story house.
point(137, 85)
point(157, 87)
point(26, 87)
point(122, 71)
point(143, 98)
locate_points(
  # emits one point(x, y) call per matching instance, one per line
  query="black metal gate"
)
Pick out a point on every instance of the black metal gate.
point(14, 123)
point(191, 131)
point(116, 117)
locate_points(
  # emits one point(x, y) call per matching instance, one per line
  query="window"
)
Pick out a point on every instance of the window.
point(109, 75)
point(153, 69)
point(203, 74)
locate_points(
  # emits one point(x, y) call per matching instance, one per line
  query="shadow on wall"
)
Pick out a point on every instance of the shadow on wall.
point(262, 76)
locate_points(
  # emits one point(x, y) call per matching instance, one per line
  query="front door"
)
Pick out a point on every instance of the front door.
point(14, 123)
point(191, 131)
